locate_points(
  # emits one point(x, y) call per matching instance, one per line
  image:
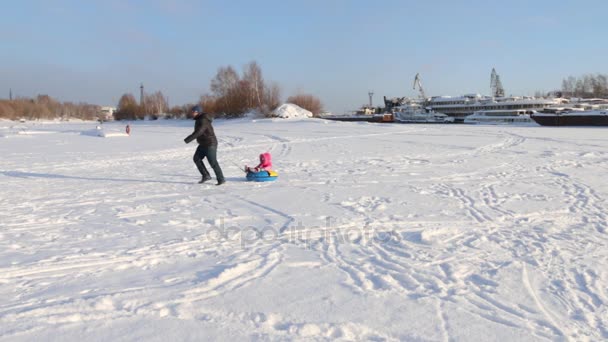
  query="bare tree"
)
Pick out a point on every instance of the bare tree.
point(586, 86)
point(7, 111)
point(209, 103)
point(568, 86)
point(155, 104)
point(308, 102)
point(232, 95)
point(255, 82)
point(225, 87)
point(224, 82)
point(179, 112)
point(128, 109)
point(272, 97)
point(600, 86)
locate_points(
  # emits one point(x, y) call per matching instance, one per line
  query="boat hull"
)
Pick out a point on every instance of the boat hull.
point(422, 119)
point(382, 118)
point(571, 120)
point(422, 122)
point(368, 118)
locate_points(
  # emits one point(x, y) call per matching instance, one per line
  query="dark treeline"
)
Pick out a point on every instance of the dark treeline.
point(231, 95)
point(586, 86)
point(155, 105)
point(45, 107)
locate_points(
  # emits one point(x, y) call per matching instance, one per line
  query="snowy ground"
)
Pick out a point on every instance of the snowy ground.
point(373, 231)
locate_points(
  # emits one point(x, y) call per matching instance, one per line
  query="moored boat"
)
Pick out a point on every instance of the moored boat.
point(415, 113)
point(572, 118)
point(501, 117)
point(460, 107)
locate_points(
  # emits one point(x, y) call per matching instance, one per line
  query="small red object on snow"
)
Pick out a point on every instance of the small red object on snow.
point(128, 130)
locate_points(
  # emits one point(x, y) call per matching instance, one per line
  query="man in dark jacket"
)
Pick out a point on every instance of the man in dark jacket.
point(207, 145)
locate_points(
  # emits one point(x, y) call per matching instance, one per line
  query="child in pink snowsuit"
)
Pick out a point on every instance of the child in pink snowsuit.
point(265, 163)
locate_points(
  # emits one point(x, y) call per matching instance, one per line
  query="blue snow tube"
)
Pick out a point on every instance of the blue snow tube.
point(262, 176)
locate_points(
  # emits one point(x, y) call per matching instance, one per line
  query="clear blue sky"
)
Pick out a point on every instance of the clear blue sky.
point(95, 51)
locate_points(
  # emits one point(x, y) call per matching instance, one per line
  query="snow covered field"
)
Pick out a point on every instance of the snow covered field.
point(373, 231)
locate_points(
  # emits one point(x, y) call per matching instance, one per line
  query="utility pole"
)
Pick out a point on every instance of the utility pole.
point(371, 95)
point(10, 94)
point(141, 94)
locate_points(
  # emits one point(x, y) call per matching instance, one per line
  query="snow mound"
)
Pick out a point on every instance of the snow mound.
point(102, 133)
point(26, 132)
point(21, 130)
point(291, 111)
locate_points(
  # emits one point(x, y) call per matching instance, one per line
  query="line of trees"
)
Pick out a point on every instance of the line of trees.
point(590, 85)
point(154, 106)
point(233, 95)
point(45, 107)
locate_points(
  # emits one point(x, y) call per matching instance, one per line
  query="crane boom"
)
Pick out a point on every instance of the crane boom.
point(496, 85)
point(418, 83)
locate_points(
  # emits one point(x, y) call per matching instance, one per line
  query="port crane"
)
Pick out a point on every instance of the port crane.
point(496, 85)
point(418, 83)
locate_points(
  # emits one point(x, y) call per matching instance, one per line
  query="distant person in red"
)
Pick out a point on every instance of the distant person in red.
point(265, 164)
point(207, 145)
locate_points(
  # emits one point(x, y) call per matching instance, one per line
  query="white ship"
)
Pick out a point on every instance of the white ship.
point(415, 113)
point(463, 106)
point(501, 117)
point(459, 107)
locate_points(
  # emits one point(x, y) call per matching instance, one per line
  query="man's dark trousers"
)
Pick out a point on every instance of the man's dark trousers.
point(211, 153)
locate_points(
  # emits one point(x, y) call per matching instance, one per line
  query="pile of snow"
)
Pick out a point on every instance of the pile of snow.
point(21, 130)
point(113, 134)
point(30, 132)
point(291, 111)
point(103, 133)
